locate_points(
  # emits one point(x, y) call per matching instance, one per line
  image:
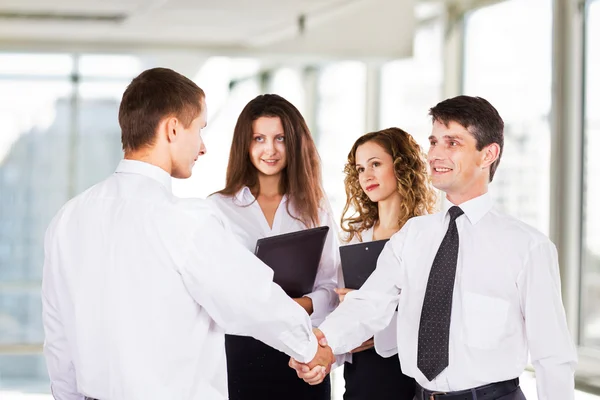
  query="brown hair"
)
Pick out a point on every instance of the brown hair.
point(478, 117)
point(151, 96)
point(301, 178)
point(410, 169)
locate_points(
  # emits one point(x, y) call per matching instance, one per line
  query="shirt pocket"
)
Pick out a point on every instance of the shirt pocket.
point(484, 320)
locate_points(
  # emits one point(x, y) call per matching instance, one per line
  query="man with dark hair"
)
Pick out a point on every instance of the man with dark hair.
point(476, 290)
point(478, 117)
point(139, 286)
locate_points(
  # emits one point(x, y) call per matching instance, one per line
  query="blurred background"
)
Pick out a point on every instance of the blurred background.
point(350, 66)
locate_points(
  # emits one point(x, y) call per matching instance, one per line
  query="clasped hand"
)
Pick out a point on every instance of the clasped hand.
point(316, 370)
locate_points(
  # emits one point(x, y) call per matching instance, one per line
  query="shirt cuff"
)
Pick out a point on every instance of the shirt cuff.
point(304, 353)
point(321, 303)
point(386, 341)
point(332, 341)
point(340, 359)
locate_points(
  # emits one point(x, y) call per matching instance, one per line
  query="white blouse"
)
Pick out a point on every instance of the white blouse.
point(248, 224)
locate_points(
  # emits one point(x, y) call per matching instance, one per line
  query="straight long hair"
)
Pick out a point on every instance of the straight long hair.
point(300, 179)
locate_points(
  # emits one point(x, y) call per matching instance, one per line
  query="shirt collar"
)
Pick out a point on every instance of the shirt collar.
point(474, 209)
point(244, 196)
point(143, 168)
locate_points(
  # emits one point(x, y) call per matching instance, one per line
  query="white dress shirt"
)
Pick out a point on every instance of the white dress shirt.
point(248, 223)
point(506, 302)
point(139, 287)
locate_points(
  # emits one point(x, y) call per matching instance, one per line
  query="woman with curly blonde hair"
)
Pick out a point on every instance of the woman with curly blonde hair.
point(386, 185)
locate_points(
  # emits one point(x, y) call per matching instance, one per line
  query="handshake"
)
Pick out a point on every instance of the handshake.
point(315, 371)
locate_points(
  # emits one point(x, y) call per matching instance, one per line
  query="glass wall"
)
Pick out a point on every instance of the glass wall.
point(508, 62)
point(287, 82)
point(229, 84)
point(59, 136)
point(590, 273)
point(410, 87)
point(340, 121)
point(33, 184)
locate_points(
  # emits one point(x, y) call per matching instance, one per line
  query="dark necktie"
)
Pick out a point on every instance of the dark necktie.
point(434, 328)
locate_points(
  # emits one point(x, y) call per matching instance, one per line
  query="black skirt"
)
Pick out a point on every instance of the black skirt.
point(256, 371)
point(371, 376)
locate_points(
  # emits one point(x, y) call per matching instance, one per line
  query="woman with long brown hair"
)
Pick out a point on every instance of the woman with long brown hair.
point(273, 186)
point(386, 184)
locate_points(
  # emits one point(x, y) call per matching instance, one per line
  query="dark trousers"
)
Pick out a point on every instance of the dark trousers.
point(372, 377)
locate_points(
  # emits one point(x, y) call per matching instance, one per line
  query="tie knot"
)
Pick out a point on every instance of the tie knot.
point(455, 212)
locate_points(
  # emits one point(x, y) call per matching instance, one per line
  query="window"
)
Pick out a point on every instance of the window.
point(57, 139)
point(34, 184)
point(410, 87)
point(287, 82)
point(508, 62)
point(229, 84)
point(340, 121)
point(590, 274)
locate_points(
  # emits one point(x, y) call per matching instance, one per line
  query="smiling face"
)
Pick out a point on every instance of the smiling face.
point(267, 149)
point(375, 168)
point(457, 167)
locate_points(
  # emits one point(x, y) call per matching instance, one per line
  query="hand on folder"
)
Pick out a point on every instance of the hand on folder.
point(315, 371)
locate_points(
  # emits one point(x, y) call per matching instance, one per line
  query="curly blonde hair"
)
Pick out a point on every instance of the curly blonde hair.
point(410, 168)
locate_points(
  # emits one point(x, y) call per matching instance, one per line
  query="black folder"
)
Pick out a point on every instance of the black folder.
point(359, 261)
point(294, 258)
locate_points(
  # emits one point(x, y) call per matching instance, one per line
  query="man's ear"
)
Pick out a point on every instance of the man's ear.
point(490, 154)
point(171, 126)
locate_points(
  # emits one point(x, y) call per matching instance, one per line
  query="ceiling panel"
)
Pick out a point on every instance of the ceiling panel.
point(335, 27)
point(73, 6)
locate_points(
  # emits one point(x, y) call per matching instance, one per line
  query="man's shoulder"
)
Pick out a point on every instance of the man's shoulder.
point(516, 230)
point(71, 207)
point(218, 199)
point(415, 228)
point(195, 207)
point(423, 221)
point(82, 197)
point(201, 210)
